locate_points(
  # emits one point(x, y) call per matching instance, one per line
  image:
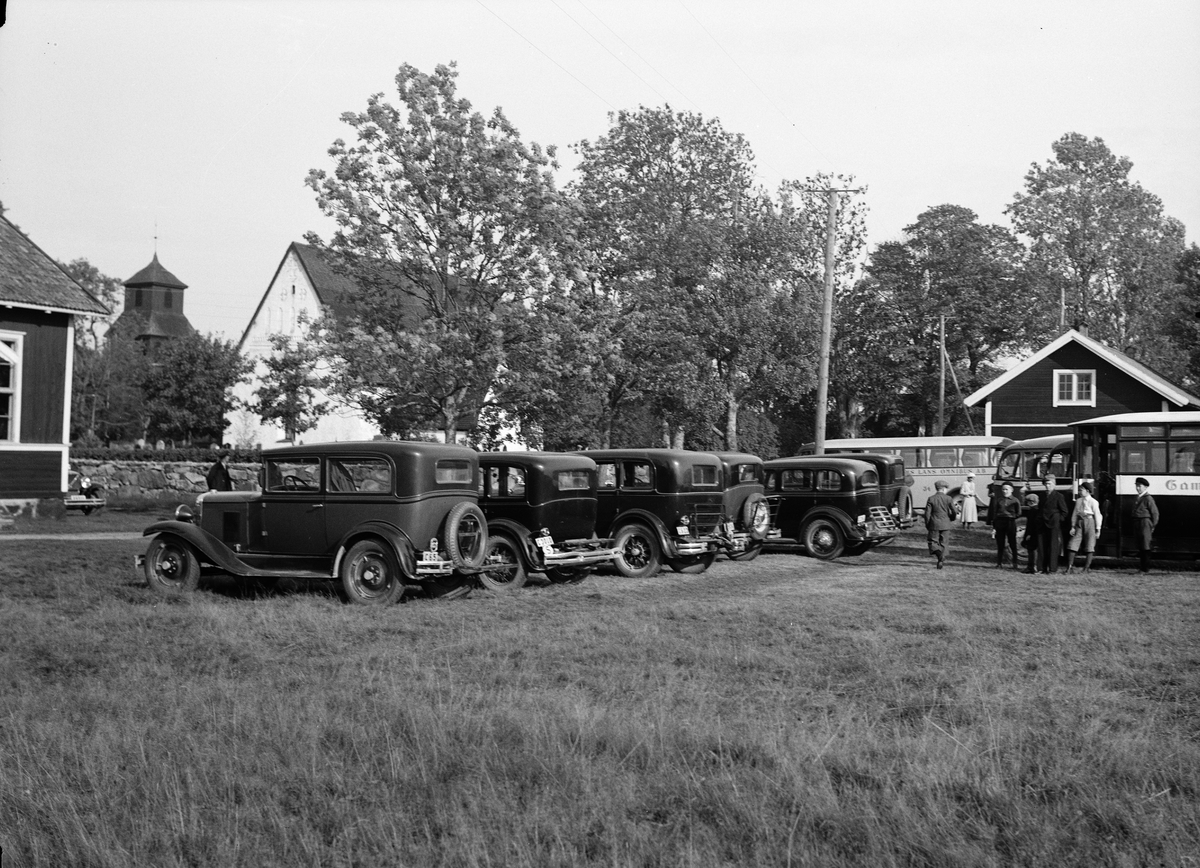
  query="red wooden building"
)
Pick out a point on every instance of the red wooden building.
point(1072, 378)
point(38, 304)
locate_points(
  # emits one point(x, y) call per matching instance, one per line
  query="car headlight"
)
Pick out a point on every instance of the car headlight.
point(183, 512)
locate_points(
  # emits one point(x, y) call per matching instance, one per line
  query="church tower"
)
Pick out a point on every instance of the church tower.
point(154, 296)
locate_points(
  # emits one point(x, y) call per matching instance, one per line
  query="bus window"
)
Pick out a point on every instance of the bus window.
point(909, 456)
point(943, 457)
point(1143, 456)
point(973, 457)
point(1185, 456)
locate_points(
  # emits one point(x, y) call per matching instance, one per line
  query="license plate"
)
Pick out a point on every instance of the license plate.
point(429, 556)
point(681, 530)
point(729, 527)
point(544, 542)
point(76, 497)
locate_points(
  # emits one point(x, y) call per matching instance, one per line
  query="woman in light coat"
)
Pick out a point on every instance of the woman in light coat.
point(1086, 521)
point(970, 509)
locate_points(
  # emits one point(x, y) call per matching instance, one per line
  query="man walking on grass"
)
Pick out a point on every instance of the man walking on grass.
point(939, 519)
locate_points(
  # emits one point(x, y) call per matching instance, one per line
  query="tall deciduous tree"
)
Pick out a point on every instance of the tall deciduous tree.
point(947, 265)
point(187, 388)
point(442, 215)
point(681, 247)
point(290, 389)
point(1105, 251)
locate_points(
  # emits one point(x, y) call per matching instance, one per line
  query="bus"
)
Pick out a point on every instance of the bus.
point(928, 459)
point(1163, 448)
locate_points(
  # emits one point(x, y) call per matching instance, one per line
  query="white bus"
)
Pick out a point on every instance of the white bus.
point(928, 459)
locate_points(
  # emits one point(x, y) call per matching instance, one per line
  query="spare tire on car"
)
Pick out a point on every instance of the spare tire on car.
point(466, 536)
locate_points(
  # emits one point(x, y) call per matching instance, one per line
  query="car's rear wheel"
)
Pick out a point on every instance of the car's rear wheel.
point(638, 556)
point(172, 566)
point(752, 550)
point(466, 536)
point(370, 576)
point(693, 565)
point(823, 539)
point(504, 569)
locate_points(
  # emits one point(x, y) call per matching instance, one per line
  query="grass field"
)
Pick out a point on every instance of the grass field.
point(869, 711)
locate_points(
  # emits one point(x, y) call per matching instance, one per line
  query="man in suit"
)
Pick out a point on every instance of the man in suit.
point(1145, 519)
point(939, 519)
point(1054, 512)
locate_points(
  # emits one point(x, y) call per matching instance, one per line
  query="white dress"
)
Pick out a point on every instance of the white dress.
point(970, 512)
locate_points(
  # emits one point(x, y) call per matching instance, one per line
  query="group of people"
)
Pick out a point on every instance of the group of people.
point(1046, 518)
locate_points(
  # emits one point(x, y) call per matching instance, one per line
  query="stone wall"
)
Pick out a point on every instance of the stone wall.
point(158, 480)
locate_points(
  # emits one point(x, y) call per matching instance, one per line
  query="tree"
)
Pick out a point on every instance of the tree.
point(697, 266)
point(1102, 247)
point(948, 265)
point(94, 380)
point(290, 388)
point(442, 215)
point(187, 387)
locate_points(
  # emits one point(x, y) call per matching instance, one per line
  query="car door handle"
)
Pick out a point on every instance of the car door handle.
point(318, 506)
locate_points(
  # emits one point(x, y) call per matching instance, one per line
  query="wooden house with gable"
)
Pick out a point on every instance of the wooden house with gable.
point(1070, 379)
point(304, 286)
point(38, 306)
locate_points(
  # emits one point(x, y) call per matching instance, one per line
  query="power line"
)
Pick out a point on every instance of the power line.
point(750, 79)
point(547, 56)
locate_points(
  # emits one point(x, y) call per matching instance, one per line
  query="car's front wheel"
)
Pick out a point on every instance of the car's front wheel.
point(823, 539)
point(172, 566)
point(503, 570)
point(638, 556)
point(370, 576)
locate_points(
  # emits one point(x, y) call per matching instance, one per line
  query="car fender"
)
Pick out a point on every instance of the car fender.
point(845, 522)
point(645, 517)
point(395, 538)
point(517, 532)
point(210, 548)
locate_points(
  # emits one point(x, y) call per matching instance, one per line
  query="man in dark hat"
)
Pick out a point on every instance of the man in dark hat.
point(1145, 519)
point(1053, 513)
point(218, 475)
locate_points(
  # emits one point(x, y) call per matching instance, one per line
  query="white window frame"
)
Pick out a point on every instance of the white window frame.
point(15, 356)
point(1073, 373)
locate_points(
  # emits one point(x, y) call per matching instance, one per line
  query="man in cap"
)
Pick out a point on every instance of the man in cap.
point(1145, 519)
point(939, 519)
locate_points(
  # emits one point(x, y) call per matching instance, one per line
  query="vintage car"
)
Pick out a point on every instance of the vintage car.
point(748, 521)
point(541, 514)
point(83, 494)
point(660, 506)
point(382, 516)
point(829, 504)
point(895, 491)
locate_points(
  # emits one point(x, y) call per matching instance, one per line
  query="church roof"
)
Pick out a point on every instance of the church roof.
point(29, 278)
point(155, 275)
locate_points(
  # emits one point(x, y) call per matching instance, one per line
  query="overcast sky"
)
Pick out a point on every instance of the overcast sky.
point(198, 120)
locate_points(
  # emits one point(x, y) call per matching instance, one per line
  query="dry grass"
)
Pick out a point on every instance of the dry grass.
point(870, 711)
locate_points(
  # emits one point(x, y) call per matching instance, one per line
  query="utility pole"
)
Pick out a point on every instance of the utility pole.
point(827, 317)
point(941, 428)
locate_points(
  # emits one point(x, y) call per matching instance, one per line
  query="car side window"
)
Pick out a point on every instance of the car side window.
point(702, 474)
point(360, 475)
point(572, 480)
point(796, 480)
point(516, 482)
point(829, 480)
point(637, 475)
point(489, 482)
point(292, 475)
point(608, 476)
